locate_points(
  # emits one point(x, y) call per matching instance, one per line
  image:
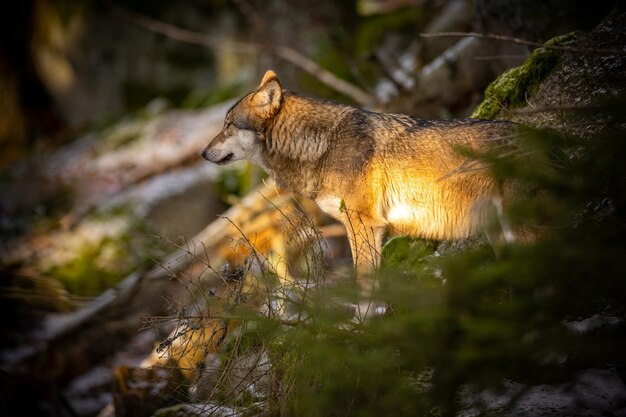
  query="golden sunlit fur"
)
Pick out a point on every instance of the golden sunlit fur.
point(371, 171)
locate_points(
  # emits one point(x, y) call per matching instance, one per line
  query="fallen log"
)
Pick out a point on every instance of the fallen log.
point(69, 344)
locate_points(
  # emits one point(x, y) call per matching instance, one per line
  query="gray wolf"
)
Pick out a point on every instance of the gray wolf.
point(374, 172)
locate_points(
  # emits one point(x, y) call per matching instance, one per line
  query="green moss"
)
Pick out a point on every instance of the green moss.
point(101, 252)
point(85, 276)
point(511, 89)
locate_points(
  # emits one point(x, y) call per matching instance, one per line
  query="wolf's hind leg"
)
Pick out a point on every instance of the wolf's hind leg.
point(500, 233)
point(505, 226)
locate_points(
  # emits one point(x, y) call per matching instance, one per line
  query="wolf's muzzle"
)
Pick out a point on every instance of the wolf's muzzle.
point(213, 156)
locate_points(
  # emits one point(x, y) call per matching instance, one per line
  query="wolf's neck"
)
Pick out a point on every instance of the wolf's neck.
point(297, 139)
point(302, 129)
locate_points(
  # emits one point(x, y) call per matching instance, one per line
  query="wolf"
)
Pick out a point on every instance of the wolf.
point(374, 172)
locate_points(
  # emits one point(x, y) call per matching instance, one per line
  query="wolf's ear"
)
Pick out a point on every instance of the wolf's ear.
point(269, 95)
point(269, 75)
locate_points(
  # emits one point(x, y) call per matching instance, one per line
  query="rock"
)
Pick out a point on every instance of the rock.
point(511, 89)
point(200, 410)
point(239, 378)
point(593, 393)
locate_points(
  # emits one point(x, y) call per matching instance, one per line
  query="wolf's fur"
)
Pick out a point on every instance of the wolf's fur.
point(372, 171)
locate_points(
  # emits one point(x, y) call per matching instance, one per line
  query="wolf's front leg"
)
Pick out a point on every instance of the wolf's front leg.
point(365, 244)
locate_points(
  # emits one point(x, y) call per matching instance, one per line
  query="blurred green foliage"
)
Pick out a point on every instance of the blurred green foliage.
point(200, 98)
point(373, 29)
point(406, 252)
point(235, 181)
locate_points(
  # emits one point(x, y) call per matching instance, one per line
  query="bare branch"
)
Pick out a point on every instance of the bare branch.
point(286, 53)
point(518, 41)
point(308, 65)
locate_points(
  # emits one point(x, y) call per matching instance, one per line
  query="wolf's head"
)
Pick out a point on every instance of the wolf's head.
point(242, 134)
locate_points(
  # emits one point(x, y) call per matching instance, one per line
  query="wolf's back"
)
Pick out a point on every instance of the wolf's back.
point(430, 184)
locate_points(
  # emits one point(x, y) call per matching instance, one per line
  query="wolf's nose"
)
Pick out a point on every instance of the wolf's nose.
point(203, 154)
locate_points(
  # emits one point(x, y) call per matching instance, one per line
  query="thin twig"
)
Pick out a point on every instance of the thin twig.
point(518, 41)
point(544, 109)
point(283, 52)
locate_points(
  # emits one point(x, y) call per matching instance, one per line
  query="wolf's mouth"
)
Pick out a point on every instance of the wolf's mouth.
point(225, 159)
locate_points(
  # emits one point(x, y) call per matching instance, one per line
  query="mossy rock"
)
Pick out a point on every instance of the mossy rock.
point(511, 89)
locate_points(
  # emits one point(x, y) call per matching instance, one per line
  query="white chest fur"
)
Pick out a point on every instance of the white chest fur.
point(330, 205)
